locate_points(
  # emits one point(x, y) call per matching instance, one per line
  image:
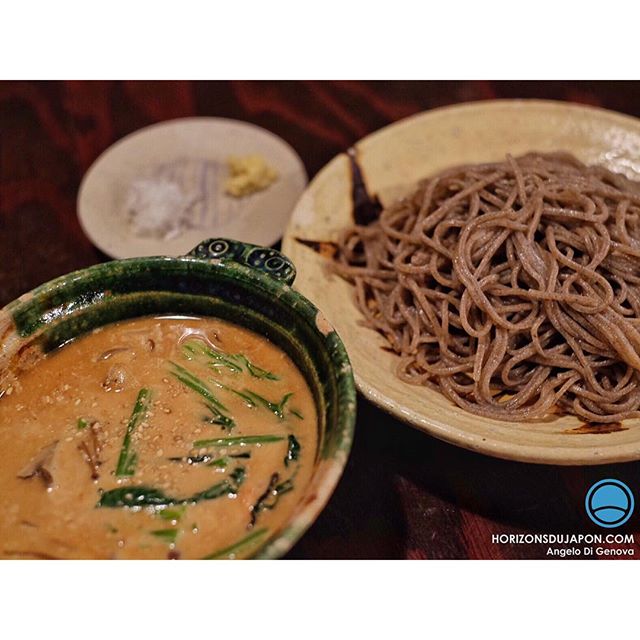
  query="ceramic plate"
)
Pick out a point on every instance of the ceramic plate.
point(192, 152)
point(391, 161)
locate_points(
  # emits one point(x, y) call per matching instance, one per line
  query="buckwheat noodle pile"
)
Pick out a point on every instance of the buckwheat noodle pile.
point(512, 287)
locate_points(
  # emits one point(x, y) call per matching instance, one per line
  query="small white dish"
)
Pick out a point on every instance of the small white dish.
point(194, 153)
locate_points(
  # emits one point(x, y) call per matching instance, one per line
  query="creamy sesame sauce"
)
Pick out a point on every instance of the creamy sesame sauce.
point(166, 437)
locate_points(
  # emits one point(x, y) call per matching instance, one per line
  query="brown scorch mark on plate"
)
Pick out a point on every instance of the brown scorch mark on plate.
point(598, 427)
point(366, 208)
point(325, 249)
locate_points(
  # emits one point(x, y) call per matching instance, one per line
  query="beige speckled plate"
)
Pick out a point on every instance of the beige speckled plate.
point(396, 157)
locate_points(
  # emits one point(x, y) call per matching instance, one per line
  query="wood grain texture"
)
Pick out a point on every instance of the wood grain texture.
point(404, 494)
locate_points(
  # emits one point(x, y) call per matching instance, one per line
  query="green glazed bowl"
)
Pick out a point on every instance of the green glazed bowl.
point(244, 284)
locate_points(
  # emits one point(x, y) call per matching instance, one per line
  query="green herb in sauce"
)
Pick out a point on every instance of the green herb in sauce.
point(270, 498)
point(207, 459)
point(236, 440)
point(277, 408)
point(293, 450)
point(142, 496)
point(232, 550)
point(194, 348)
point(219, 359)
point(196, 384)
point(221, 419)
point(171, 514)
point(256, 371)
point(168, 535)
point(128, 459)
point(253, 399)
point(249, 401)
point(191, 459)
point(219, 463)
point(212, 403)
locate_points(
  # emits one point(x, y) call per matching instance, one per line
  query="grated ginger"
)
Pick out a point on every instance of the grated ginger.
point(248, 174)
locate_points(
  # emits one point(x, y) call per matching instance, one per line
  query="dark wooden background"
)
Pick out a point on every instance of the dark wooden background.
point(403, 494)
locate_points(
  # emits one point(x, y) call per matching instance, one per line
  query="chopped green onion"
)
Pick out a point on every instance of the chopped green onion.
point(271, 496)
point(222, 488)
point(256, 371)
point(232, 550)
point(143, 496)
point(128, 459)
point(220, 463)
point(191, 459)
point(207, 459)
point(194, 348)
point(237, 440)
point(195, 384)
point(220, 359)
point(275, 408)
point(200, 387)
point(293, 451)
point(250, 402)
point(168, 535)
point(220, 418)
point(171, 514)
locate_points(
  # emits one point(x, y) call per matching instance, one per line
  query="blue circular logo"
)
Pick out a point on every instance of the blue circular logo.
point(609, 503)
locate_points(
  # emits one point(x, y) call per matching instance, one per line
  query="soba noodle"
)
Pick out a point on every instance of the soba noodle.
point(511, 287)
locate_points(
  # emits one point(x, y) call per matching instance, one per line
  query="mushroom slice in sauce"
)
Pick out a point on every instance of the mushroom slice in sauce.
point(39, 465)
point(90, 447)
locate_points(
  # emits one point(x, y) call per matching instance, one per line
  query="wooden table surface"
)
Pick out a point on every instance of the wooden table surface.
point(403, 493)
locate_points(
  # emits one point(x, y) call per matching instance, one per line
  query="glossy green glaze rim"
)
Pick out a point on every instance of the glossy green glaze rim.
point(243, 284)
